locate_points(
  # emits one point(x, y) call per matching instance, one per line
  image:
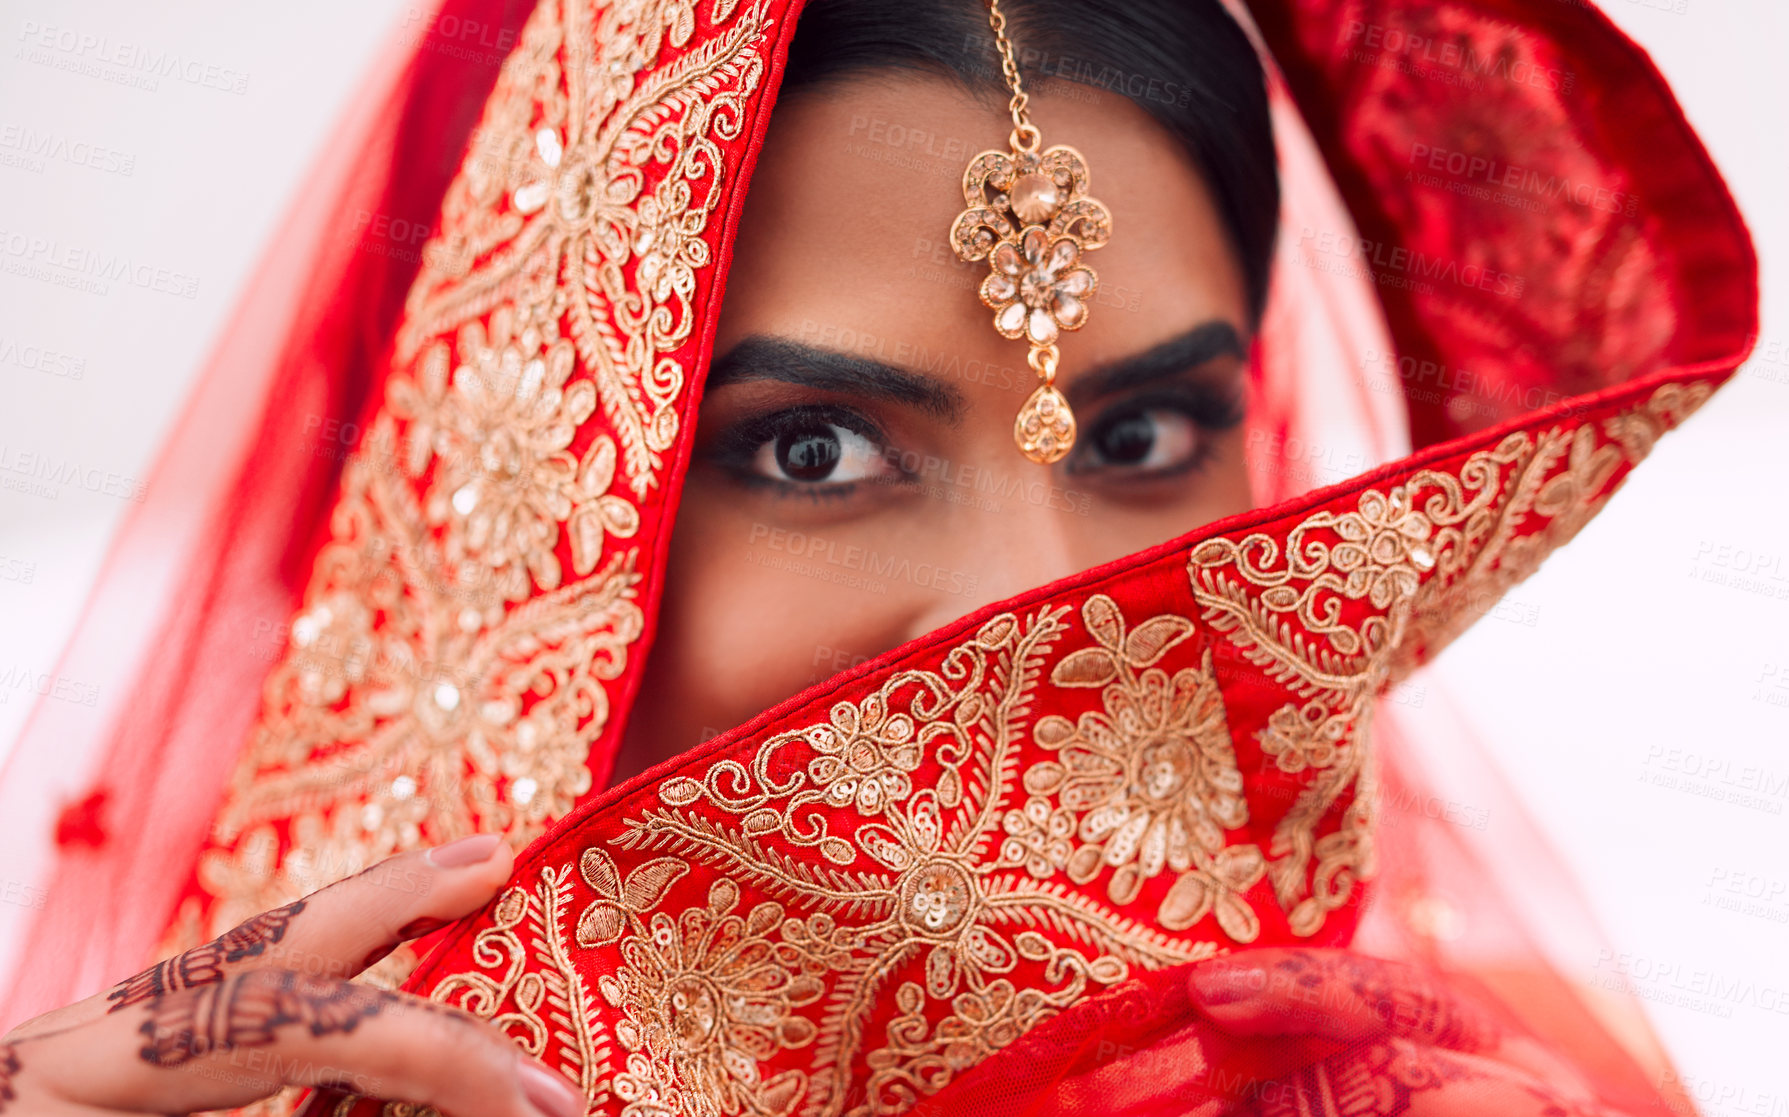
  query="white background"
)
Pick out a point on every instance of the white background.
point(1651, 652)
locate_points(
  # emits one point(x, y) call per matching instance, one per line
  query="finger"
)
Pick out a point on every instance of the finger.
point(335, 932)
point(22, 1091)
point(1337, 995)
point(258, 1030)
point(1401, 1077)
point(355, 922)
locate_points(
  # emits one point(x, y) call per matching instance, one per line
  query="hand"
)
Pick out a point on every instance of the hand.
point(1385, 1038)
point(267, 1005)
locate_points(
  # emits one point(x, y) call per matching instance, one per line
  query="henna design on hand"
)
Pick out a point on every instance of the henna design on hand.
point(1414, 1005)
point(1377, 1080)
point(1409, 1002)
point(248, 1009)
point(204, 964)
point(9, 1066)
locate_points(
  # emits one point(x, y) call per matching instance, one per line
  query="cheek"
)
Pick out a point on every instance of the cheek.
point(1226, 484)
point(1115, 526)
point(754, 613)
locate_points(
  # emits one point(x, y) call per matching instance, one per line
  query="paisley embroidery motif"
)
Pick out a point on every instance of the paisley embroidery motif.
point(444, 675)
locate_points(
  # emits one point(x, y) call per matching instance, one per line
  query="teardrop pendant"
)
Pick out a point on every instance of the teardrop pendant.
point(1045, 427)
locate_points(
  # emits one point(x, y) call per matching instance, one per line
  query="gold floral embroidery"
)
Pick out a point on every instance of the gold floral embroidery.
point(556, 202)
point(1353, 600)
point(1148, 784)
point(457, 731)
point(866, 756)
point(974, 896)
point(500, 429)
point(444, 674)
point(921, 882)
point(554, 1011)
point(707, 996)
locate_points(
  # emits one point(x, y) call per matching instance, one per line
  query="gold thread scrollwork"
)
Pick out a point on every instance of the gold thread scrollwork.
point(552, 1009)
point(447, 672)
point(922, 884)
point(1145, 785)
point(1353, 600)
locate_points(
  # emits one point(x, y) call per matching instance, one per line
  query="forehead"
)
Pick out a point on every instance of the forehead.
point(844, 238)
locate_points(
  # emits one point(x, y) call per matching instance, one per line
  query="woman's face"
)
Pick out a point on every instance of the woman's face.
point(854, 482)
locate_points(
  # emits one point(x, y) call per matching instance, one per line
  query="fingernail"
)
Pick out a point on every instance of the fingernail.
point(466, 851)
point(548, 1092)
point(1223, 985)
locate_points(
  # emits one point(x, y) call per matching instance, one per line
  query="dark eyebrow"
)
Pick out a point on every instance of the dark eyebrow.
point(761, 357)
point(773, 358)
point(1202, 343)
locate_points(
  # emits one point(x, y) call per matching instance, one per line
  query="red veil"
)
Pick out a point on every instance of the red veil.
point(1501, 245)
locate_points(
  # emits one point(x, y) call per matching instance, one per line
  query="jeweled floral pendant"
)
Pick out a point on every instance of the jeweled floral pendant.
point(1029, 215)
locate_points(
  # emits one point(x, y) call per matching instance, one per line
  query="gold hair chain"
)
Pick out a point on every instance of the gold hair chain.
point(1029, 215)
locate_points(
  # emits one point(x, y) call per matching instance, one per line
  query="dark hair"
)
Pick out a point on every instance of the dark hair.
point(1184, 62)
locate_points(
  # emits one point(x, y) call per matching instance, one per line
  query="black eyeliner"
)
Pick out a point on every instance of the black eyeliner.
point(1210, 407)
point(1211, 410)
point(735, 448)
point(739, 443)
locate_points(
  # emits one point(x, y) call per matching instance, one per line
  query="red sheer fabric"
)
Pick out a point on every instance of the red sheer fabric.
point(973, 944)
point(197, 590)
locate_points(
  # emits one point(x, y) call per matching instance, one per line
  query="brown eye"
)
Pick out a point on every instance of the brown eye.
point(809, 455)
point(1151, 439)
point(810, 451)
point(1127, 441)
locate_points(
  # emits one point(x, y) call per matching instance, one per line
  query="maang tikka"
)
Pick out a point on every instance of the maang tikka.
point(1030, 216)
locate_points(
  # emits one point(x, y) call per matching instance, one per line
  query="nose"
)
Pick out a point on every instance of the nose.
point(1024, 543)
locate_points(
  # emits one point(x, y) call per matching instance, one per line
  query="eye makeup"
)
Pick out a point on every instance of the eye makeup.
point(1178, 421)
point(818, 440)
point(801, 422)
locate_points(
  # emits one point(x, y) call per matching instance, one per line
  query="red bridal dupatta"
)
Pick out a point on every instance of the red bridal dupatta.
point(975, 874)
